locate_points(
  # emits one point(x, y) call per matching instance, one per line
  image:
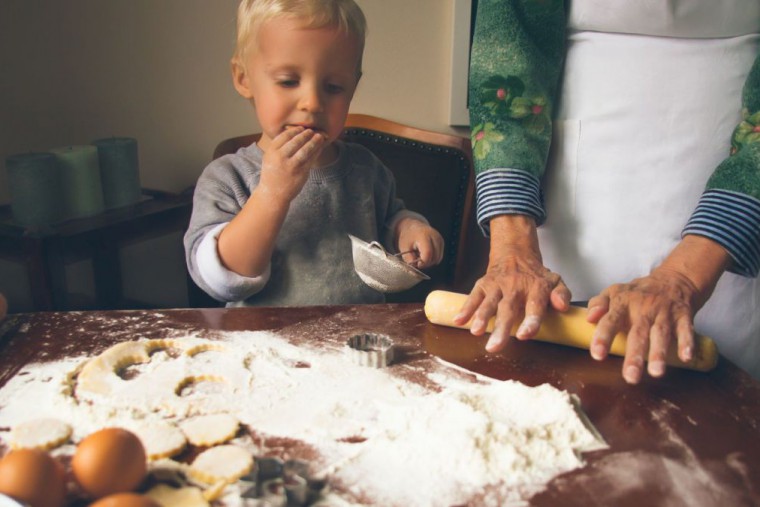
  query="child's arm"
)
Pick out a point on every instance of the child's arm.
point(417, 236)
point(245, 245)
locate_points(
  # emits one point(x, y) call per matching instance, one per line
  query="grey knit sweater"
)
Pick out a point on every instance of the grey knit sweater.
point(312, 262)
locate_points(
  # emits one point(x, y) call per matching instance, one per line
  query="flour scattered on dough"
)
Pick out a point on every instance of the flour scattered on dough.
point(448, 439)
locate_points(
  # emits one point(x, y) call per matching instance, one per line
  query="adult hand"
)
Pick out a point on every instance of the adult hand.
point(517, 287)
point(655, 309)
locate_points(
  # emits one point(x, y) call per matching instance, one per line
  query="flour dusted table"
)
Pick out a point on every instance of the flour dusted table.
point(689, 439)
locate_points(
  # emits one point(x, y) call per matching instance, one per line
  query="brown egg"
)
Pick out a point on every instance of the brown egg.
point(33, 477)
point(109, 461)
point(125, 500)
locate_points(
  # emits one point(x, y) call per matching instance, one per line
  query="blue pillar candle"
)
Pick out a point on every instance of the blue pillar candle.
point(80, 180)
point(35, 186)
point(119, 171)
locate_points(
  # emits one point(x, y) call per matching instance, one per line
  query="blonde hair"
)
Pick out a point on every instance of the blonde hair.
point(345, 15)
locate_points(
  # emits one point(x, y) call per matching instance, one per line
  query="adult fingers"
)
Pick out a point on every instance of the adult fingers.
point(606, 329)
point(685, 336)
point(535, 310)
point(560, 296)
point(487, 309)
point(506, 316)
point(598, 306)
point(472, 303)
point(659, 340)
point(636, 349)
point(551, 290)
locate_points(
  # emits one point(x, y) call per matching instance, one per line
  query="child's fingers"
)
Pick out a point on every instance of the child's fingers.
point(439, 247)
point(298, 143)
point(303, 147)
point(310, 147)
point(427, 252)
point(426, 243)
point(431, 249)
point(292, 148)
point(285, 136)
point(411, 257)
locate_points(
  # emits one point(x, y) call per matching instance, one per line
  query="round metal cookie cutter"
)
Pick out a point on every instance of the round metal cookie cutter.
point(370, 349)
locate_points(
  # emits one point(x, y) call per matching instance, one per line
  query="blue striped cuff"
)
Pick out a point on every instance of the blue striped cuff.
point(508, 192)
point(732, 220)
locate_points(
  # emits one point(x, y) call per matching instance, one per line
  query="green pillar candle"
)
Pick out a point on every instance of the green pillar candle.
point(119, 171)
point(80, 180)
point(34, 182)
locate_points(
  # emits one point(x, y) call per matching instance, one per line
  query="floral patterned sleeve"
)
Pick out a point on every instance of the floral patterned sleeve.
point(515, 65)
point(729, 209)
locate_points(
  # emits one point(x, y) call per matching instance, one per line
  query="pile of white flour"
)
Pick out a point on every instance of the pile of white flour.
point(445, 438)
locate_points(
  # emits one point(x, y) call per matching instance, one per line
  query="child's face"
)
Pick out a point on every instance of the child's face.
point(301, 77)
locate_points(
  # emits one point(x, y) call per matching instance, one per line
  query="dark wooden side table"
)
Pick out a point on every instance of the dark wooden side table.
point(46, 251)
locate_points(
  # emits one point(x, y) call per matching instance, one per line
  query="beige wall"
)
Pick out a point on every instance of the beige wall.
point(157, 70)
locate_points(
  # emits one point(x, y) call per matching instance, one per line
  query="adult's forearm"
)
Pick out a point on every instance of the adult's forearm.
point(699, 260)
point(513, 235)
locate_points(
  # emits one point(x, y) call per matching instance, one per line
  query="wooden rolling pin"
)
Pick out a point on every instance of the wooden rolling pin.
point(567, 328)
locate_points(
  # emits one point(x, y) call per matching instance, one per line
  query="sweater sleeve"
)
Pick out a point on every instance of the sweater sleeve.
point(220, 194)
point(515, 65)
point(729, 210)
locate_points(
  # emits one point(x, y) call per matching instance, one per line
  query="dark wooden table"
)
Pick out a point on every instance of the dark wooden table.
point(44, 252)
point(689, 439)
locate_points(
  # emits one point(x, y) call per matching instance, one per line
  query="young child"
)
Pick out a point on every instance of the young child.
point(270, 223)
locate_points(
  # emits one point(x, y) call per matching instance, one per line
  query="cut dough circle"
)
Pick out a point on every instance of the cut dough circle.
point(221, 463)
point(160, 439)
point(43, 434)
point(208, 430)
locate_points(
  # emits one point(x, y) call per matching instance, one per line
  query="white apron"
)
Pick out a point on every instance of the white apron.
point(650, 96)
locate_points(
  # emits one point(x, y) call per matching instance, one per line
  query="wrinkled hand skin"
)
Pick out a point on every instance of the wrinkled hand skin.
point(517, 287)
point(651, 311)
point(655, 309)
point(424, 243)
